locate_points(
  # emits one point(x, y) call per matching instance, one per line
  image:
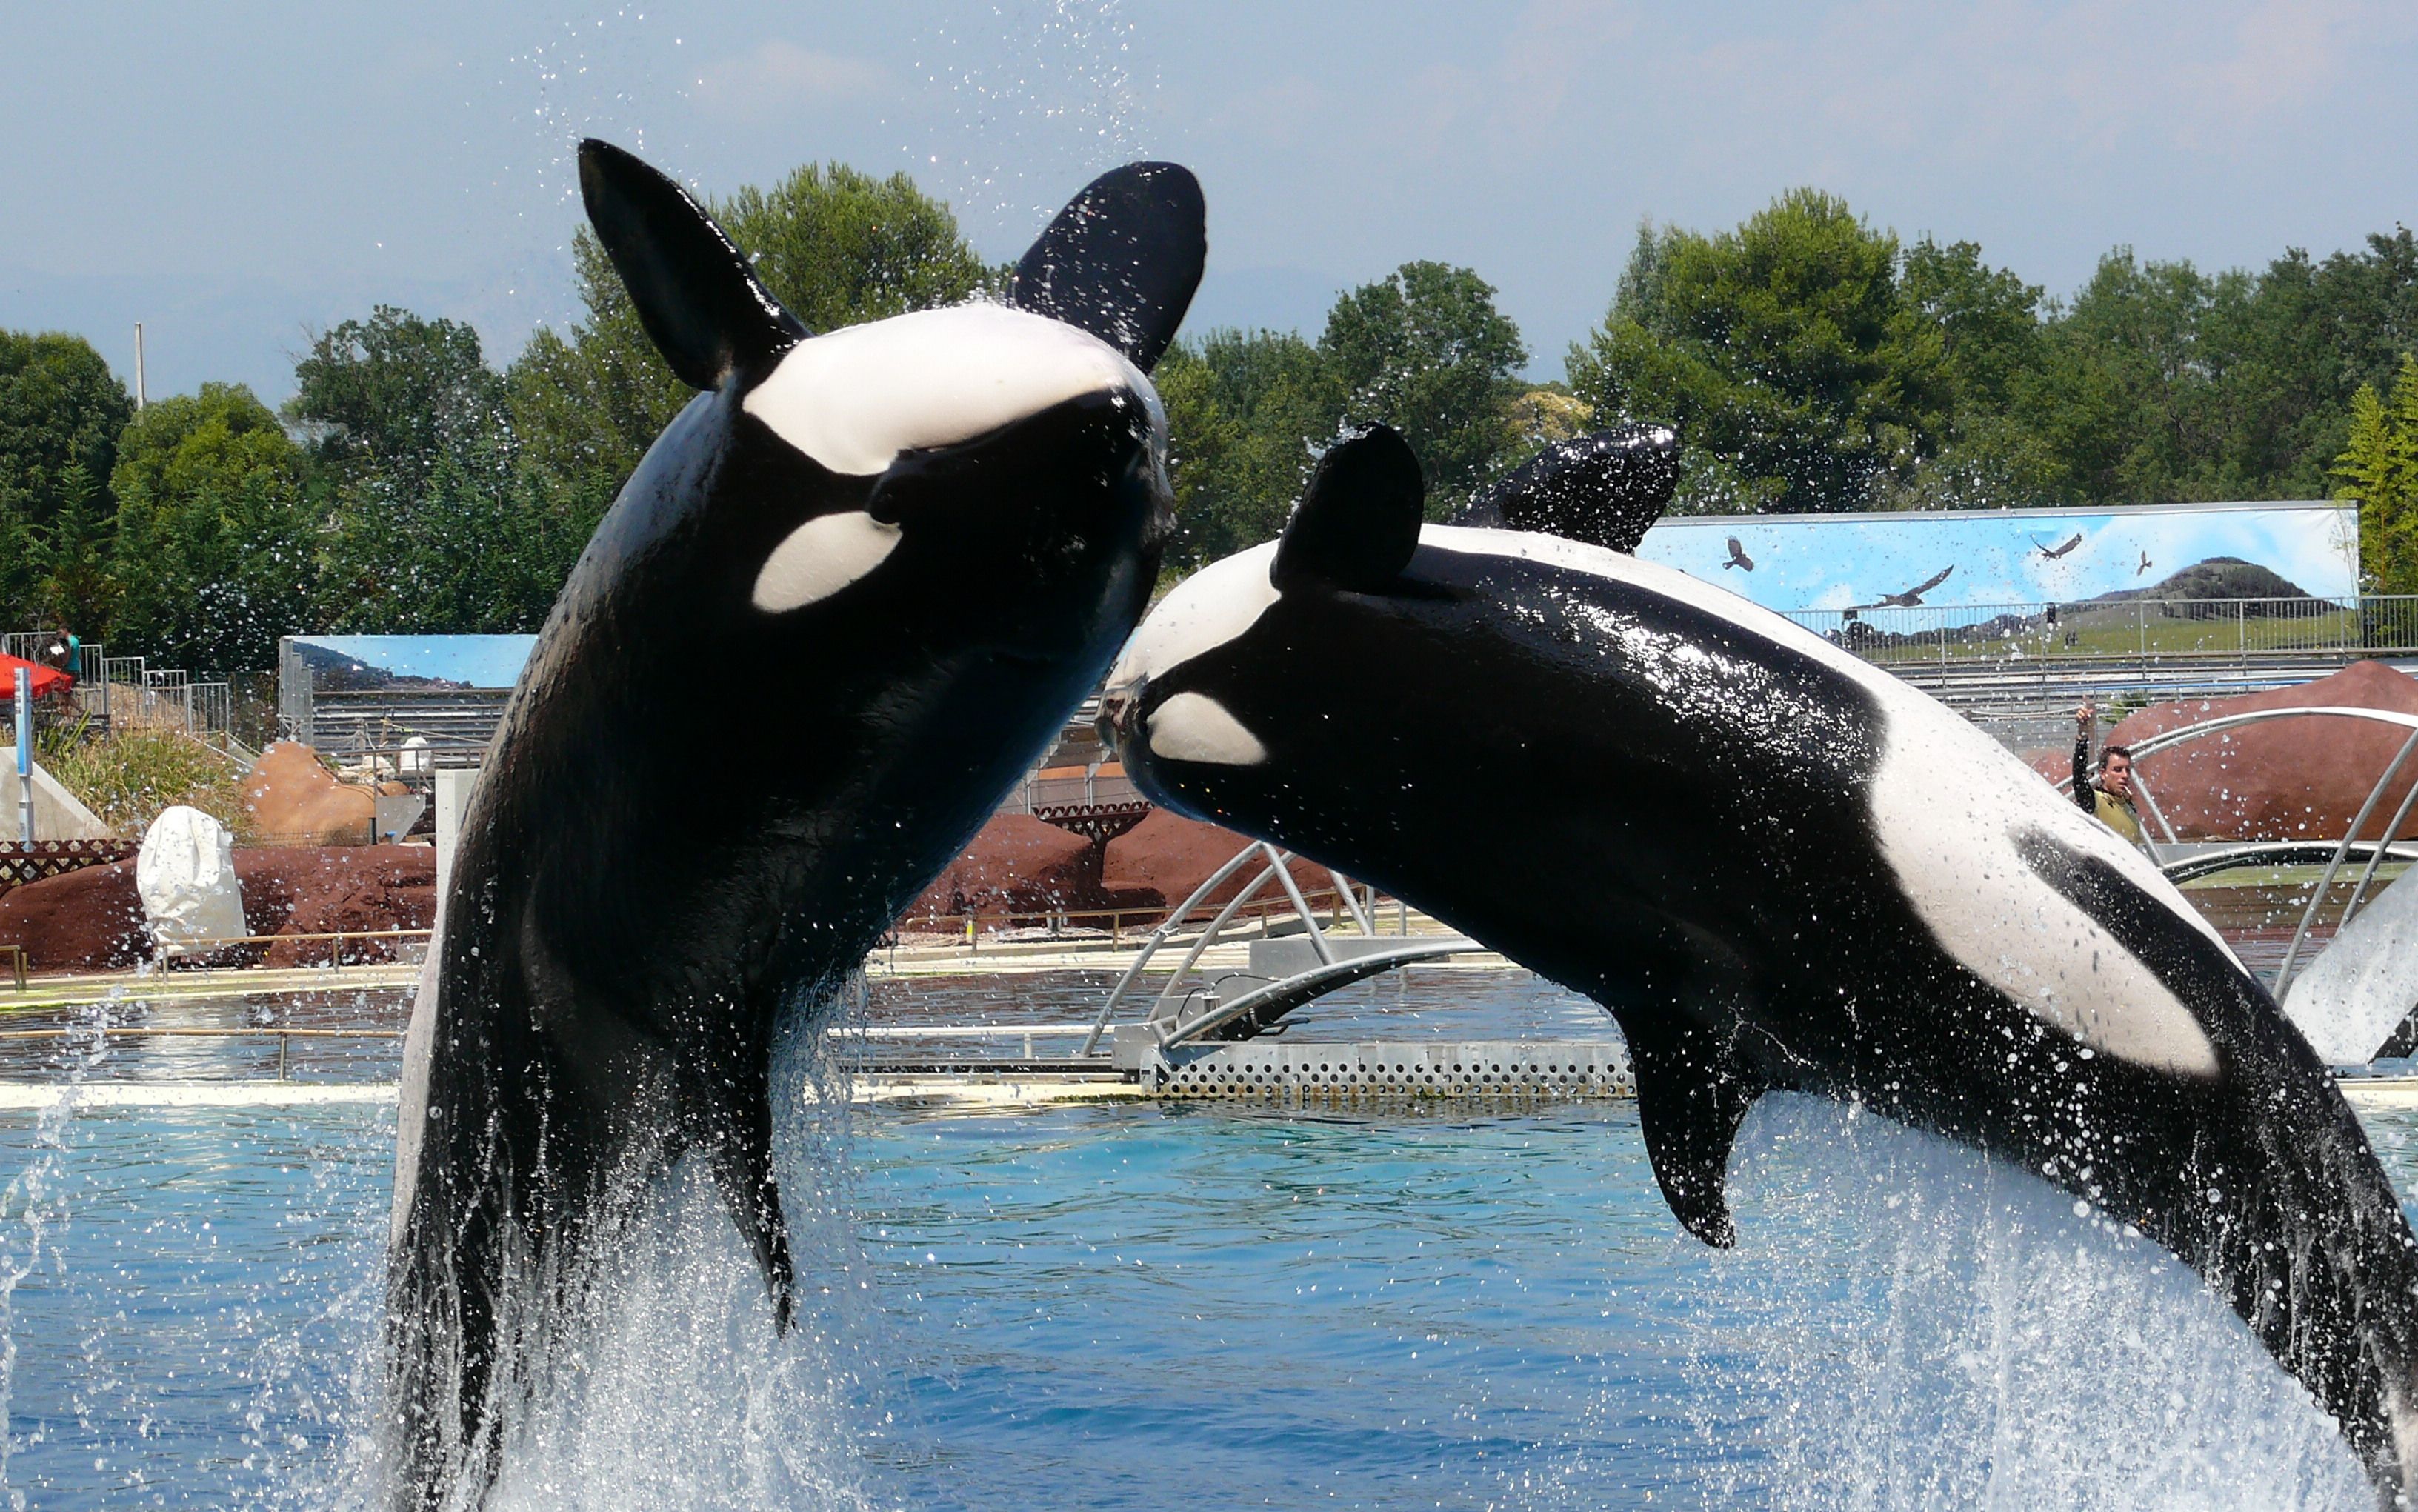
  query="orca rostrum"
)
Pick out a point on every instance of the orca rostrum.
point(845, 601)
point(1779, 867)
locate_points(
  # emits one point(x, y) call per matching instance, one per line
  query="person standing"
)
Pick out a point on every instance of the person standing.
point(2109, 797)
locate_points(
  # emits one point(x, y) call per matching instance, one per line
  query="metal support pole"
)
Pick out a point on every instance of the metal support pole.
point(141, 397)
point(1168, 926)
point(2376, 857)
point(25, 751)
point(2359, 821)
point(2150, 801)
point(1301, 906)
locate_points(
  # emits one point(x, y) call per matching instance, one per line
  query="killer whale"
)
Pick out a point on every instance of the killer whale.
point(1778, 868)
point(898, 556)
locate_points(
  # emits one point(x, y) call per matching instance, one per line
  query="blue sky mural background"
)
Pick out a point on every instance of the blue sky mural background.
point(1841, 561)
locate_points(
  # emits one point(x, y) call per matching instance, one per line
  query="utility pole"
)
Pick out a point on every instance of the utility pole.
point(138, 368)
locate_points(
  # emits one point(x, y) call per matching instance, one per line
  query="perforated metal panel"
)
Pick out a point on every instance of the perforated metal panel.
point(1268, 1071)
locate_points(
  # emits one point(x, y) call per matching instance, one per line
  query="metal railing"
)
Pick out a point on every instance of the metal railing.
point(127, 692)
point(282, 1036)
point(1335, 902)
point(1092, 788)
point(2128, 629)
point(208, 955)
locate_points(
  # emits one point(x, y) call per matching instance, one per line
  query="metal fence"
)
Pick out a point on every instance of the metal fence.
point(128, 693)
point(2130, 629)
point(1091, 788)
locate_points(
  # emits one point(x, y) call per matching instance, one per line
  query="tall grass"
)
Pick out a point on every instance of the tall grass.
point(126, 777)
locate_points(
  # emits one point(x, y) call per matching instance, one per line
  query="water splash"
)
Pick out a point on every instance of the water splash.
point(34, 1208)
point(669, 1387)
point(1938, 1329)
point(1043, 95)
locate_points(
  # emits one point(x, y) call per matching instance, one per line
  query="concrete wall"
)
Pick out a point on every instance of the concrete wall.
point(58, 816)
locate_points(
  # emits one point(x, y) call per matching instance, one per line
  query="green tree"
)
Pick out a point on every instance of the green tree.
point(1976, 331)
point(434, 519)
point(2319, 331)
point(1425, 350)
point(1784, 353)
point(393, 394)
point(836, 246)
point(2379, 467)
point(61, 410)
point(484, 548)
point(1243, 411)
point(213, 557)
point(2131, 400)
point(70, 558)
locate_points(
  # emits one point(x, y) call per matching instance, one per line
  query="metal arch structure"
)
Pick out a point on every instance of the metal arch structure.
point(2377, 852)
point(2282, 853)
point(1265, 1003)
point(1174, 1020)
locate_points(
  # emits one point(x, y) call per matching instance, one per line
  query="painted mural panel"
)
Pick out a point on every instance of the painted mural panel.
point(1997, 558)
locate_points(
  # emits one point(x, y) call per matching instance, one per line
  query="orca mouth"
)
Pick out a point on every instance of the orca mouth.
point(1120, 715)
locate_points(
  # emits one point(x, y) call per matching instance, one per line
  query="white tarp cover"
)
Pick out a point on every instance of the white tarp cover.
point(2350, 1000)
point(186, 875)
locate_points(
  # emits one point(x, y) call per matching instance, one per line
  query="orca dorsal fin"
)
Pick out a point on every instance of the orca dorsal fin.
point(1607, 489)
point(1358, 523)
point(1693, 1093)
point(701, 303)
point(1121, 259)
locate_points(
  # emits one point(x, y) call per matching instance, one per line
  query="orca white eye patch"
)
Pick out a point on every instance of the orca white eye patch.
point(1193, 726)
point(1213, 607)
point(821, 558)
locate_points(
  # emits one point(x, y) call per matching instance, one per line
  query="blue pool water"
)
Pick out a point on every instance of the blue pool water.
point(1143, 1307)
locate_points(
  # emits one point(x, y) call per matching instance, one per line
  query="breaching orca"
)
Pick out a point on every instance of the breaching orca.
point(847, 598)
point(1778, 867)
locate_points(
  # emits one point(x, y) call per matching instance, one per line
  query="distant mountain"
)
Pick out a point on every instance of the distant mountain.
point(2217, 577)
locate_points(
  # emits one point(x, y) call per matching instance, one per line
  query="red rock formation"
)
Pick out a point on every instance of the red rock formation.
point(294, 798)
point(92, 920)
point(1019, 865)
point(88, 920)
point(2296, 779)
point(307, 890)
point(1175, 855)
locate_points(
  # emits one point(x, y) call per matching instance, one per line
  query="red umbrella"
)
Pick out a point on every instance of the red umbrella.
point(47, 679)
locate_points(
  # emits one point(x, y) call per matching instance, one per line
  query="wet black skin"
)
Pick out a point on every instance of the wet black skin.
point(1646, 803)
point(699, 816)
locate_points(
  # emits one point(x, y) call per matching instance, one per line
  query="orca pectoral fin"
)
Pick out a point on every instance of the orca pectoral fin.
point(1606, 489)
point(1693, 1093)
point(741, 1154)
point(1121, 259)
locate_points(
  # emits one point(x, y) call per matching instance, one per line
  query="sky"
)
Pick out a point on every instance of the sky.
point(238, 177)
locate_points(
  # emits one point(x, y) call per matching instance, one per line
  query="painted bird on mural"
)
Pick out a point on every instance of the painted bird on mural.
point(1912, 596)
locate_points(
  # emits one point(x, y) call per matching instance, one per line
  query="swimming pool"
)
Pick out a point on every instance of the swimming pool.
point(1141, 1305)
